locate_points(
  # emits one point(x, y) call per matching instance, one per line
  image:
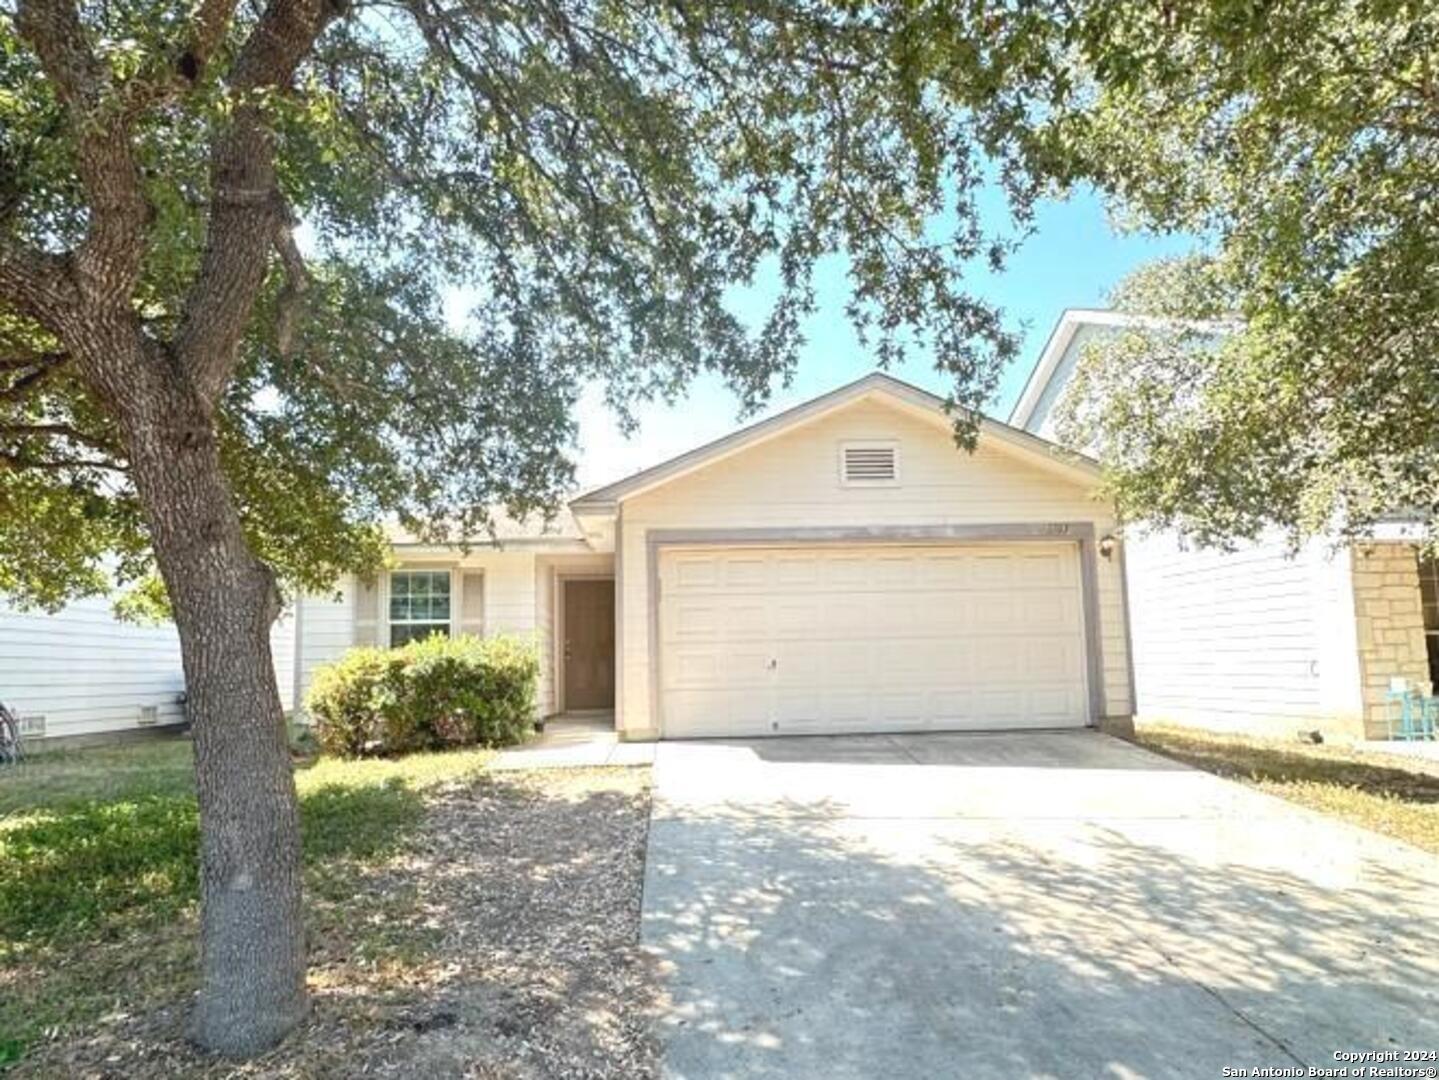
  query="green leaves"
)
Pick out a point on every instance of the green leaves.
point(1301, 143)
point(1291, 419)
point(431, 693)
point(592, 176)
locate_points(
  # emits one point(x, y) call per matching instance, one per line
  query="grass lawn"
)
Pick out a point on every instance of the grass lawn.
point(460, 921)
point(98, 870)
point(1393, 795)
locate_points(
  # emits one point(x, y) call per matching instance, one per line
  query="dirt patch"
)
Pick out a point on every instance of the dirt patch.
point(503, 942)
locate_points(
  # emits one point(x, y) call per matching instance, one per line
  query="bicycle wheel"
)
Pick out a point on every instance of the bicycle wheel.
point(10, 751)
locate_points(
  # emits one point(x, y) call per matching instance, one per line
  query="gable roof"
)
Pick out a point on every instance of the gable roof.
point(1053, 352)
point(876, 384)
point(1061, 338)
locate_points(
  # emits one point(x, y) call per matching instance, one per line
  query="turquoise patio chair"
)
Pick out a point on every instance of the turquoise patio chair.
point(1418, 714)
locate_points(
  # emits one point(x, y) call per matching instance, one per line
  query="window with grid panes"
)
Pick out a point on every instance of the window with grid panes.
point(419, 604)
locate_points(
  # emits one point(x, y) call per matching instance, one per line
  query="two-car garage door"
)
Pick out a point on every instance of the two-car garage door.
point(786, 640)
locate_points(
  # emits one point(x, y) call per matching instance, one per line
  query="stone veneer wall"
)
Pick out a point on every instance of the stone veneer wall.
point(1389, 625)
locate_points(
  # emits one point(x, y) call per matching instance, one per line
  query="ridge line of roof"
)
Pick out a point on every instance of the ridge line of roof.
point(606, 494)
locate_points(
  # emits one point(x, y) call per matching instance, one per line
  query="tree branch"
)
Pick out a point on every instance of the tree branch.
point(52, 27)
point(210, 23)
point(168, 76)
point(59, 431)
point(297, 281)
point(38, 284)
point(39, 368)
point(107, 265)
point(17, 462)
point(247, 212)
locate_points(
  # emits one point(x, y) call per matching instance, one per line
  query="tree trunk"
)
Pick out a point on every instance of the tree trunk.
point(225, 600)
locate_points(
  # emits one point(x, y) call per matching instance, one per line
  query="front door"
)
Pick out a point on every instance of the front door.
point(589, 657)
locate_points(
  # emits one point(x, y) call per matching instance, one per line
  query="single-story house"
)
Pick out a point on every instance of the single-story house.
point(839, 567)
point(1261, 638)
point(81, 674)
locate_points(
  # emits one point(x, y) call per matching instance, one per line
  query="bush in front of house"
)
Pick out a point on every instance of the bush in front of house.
point(348, 700)
point(433, 694)
point(464, 691)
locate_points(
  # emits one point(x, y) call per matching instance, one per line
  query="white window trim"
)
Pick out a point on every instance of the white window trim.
point(869, 444)
point(390, 623)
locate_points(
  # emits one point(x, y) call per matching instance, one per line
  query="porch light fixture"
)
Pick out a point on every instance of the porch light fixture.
point(1106, 545)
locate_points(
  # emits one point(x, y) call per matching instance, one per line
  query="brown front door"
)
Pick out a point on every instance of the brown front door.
point(589, 660)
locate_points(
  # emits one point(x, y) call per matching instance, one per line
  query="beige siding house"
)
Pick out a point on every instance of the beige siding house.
point(840, 567)
point(1262, 638)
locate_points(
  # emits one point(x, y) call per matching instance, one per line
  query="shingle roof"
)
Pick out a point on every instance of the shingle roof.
point(505, 528)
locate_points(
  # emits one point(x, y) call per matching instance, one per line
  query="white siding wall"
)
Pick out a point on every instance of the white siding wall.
point(792, 481)
point(1041, 420)
point(509, 590)
point(327, 629)
point(87, 673)
point(282, 651)
point(1253, 640)
point(546, 596)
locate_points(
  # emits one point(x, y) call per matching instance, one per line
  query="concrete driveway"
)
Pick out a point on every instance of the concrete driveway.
point(1038, 905)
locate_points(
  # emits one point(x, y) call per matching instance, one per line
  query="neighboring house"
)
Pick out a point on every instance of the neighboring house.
point(1261, 639)
point(82, 673)
point(839, 567)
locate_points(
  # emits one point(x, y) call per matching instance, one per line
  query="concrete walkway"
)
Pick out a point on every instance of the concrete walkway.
point(1043, 905)
point(575, 742)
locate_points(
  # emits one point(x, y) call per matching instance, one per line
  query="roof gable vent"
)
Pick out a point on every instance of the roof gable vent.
point(869, 464)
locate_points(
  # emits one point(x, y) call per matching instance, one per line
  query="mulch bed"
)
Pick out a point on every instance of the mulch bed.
point(503, 942)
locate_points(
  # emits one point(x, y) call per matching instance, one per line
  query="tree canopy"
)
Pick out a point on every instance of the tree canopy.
point(186, 385)
point(595, 175)
point(1300, 144)
point(592, 175)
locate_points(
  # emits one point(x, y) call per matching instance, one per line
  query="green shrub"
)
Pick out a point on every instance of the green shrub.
point(427, 695)
point(348, 700)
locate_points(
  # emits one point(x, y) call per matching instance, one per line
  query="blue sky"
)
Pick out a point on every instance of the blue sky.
point(1073, 259)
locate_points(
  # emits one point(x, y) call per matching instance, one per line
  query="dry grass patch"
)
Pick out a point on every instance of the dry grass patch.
point(500, 939)
point(1397, 796)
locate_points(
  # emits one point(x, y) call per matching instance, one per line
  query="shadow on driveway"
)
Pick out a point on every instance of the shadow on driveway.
point(975, 907)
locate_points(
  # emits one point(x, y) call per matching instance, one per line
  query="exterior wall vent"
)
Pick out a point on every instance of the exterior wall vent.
point(32, 726)
point(149, 714)
point(869, 464)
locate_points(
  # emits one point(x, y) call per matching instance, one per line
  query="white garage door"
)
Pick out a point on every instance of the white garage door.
point(783, 641)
